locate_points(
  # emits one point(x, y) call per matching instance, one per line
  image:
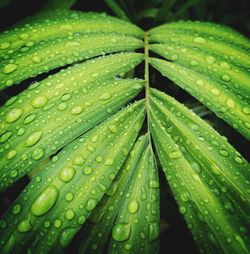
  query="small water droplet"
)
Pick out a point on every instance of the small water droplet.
point(215, 91)
point(98, 159)
point(36, 59)
point(77, 110)
point(16, 209)
point(37, 153)
point(24, 226)
point(105, 96)
point(5, 136)
point(238, 159)
point(45, 200)
point(225, 77)
point(199, 40)
point(175, 154)
point(11, 154)
point(87, 170)
point(153, 184)
point(5, 45)
point(57, 223)
point(81, 219)
point(246, 110)
point(70, 214)
point(113, 128)
point(223, 152)
point(183, 210)
point(69, 196)
point(62, 106)
point(66, 236)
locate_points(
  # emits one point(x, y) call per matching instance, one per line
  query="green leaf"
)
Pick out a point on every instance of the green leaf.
point(117, 9)
point(76, 102)
point(137, 226)
point(75, 37)
point(99, 227)
point(209, 179)
point(57, 202)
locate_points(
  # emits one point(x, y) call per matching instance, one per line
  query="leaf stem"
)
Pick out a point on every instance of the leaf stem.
point(147, 87)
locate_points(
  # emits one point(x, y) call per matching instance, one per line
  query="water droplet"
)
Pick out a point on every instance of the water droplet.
point(62, 106)
point(69, 196)
point(121, 232)
point(153, 184)
point(81, 219)
point(57, 223)
point(16, 209)
point(24, 226)
point(225, 77)
point(77, 110)
point(246, 110)
point(11, 154)
point(67, 173)
point(128, 246)
point(223, 152)
point(13, 173)
point(39, 101)
point(105, 96)
point(183, 210)
point(34, 138)
point(28, 119)
point(200, 82)
point(98, 159)
point(109, 162)
point(196, 166)
point(3, 224)
point(230, 103)
point(5, 45)
point(72, 44)
point(79, 161)
point(45, 200)
point(215, 91)
point(153, 231)
point(91, 204)
point(113, 128)
point(21, 131)
point(70, 214)
point(210, 59)
point(5, 136)
point(133, 206)
point(66, 236)
point(9, 68)
point(13, 115)
point(238, 159)
point(36, 59)
point(38, 153)
point(87, 170)
point(199, 40)
point(175, 154)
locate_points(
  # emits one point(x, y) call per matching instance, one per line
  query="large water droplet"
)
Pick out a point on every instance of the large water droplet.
point(11, 154)
point(133, 206)
point(5, 136)
point(91, 204)
point(45, 200)
point(13, 115)
point(121, 232)
point(67, 174)
point(77, 110)
point(153, 231)
point(39, 101)
point(24, 226)
point(38, 153)
point(9, 68)
point(70, 214)
point(34, 138)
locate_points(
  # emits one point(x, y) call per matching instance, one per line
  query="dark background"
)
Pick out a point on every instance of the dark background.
point(175, 236)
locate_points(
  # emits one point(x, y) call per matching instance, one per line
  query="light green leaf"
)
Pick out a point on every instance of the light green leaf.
point(209, 179)
point(98, 229)
point(117, 9)
point(53, 112)
point(59, 199)
point(137, 226)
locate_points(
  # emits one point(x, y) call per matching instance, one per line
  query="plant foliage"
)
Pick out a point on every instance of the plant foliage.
point(93, 156)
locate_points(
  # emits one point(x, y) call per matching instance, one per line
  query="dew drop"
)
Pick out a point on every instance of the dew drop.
point(225, 77)
point(62, 106)
point(153, 184)
point(5, 136)
point(91, 204)
point(246, 110)
point(199, 40)
point(238, 159)
point(215, 91)
point(113, 128)
point(16, 209)
point(153, 231)
point(9, 68)
point(11, 154)
point(38, 153)
point(223, 152)
point(45, 200)
point(13, 173)
point(34, 138)
point(175, 154)
point(183, 210)
point(39, 101)
point(87, 170)
point(67, 173)
point(105, 96)
point(5, 45)
point(66, 236)
point(196, 166)
point(24, 226)
point(70, 214)
point(133, 206)
point(98, 159)
point(36, 59)
point(79, 161)
point(121, 232)
point(81, 219)
point(13, 115)
point(77, 110)
point(57, 223)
